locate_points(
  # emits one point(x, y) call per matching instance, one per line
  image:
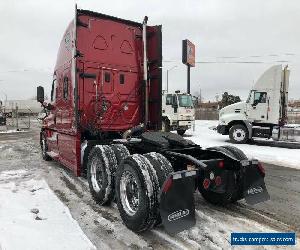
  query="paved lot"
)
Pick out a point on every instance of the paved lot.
point(105, 229)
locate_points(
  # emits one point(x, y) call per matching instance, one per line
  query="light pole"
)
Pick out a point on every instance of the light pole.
point(168, 76)
point(5, 98)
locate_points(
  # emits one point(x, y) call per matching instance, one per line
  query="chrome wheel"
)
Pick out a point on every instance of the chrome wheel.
point(96, 174)
point(129, 193)
point(239, 135)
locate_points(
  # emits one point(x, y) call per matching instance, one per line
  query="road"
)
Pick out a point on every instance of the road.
point(103, 224)
point(284, 187)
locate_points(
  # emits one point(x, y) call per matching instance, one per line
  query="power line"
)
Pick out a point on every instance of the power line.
point(234, 62)
point(25, 70)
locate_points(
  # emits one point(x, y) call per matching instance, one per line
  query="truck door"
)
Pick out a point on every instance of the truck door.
point(170, 108)
point(258, 106)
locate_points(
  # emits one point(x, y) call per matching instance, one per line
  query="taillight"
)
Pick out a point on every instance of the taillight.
point(218, 181)
point(261, 168)
point(206, 183)
point(167, 185)
point(221, 164)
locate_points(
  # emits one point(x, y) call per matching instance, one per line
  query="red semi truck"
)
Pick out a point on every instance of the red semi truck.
point(104, 120)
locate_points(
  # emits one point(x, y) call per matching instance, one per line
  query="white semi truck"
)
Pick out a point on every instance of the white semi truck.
point(264, 114)
point(178, 112)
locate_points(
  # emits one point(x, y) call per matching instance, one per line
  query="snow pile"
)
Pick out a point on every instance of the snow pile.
point(206, 137)
point(12, 131)
point(32, 217)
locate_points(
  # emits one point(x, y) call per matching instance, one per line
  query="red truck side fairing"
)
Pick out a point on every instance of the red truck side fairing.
point(109, 72)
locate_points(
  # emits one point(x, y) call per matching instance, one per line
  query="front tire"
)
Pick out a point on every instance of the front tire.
point(44, 148)
point(238, 134)
point(165, 125)
point(181, 131)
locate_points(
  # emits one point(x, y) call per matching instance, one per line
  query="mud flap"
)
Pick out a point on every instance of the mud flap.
point(177, 207)
point(254, 187)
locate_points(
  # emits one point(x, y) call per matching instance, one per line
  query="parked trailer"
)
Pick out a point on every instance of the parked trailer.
point(104, 122)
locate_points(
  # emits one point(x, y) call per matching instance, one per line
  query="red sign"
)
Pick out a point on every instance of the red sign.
point(188, 53)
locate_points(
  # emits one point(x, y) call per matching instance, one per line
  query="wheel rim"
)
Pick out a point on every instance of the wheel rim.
point(239, 134)
point(129, 193)
point(96, 175)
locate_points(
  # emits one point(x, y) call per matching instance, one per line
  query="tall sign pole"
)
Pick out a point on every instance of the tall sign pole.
point(188, 58)
point(188, 88)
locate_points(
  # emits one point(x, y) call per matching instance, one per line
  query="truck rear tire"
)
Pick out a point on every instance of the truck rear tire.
point(165, 125)
point(121, 152)
point(137, 191)
point(238, 134)
point(239, 155)
point(231, 195)
point(213, 197)
point(181, 131)
point(161, 165)
point(44, 148)
point(101, 168)
point(236, 152)
point(163, 169)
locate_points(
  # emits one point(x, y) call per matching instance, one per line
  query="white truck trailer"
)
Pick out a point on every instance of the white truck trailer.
point(178, 112)
point(264, 114)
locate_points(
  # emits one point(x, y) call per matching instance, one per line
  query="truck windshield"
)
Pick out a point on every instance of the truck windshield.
point(185, 101)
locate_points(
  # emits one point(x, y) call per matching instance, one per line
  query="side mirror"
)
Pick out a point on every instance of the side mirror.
point(40, 97)
point(49, 106)
point(254, 103)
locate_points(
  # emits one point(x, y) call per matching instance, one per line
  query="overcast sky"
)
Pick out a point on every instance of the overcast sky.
point(224, 32)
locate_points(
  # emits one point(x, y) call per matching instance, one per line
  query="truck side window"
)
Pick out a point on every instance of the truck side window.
point(66, 88)
point(122, 79)
point(260, 97)
point(169, 100)
point(53, 89)
point(107, 77)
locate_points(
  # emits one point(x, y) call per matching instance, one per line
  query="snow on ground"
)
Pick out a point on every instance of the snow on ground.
point(32, 217)
point(12, 131)
point(206, 137)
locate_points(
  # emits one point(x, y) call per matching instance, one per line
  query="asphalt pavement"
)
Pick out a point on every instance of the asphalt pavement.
point(283, 185)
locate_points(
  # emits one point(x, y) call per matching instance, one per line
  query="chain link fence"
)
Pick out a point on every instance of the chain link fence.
point(206, 114)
